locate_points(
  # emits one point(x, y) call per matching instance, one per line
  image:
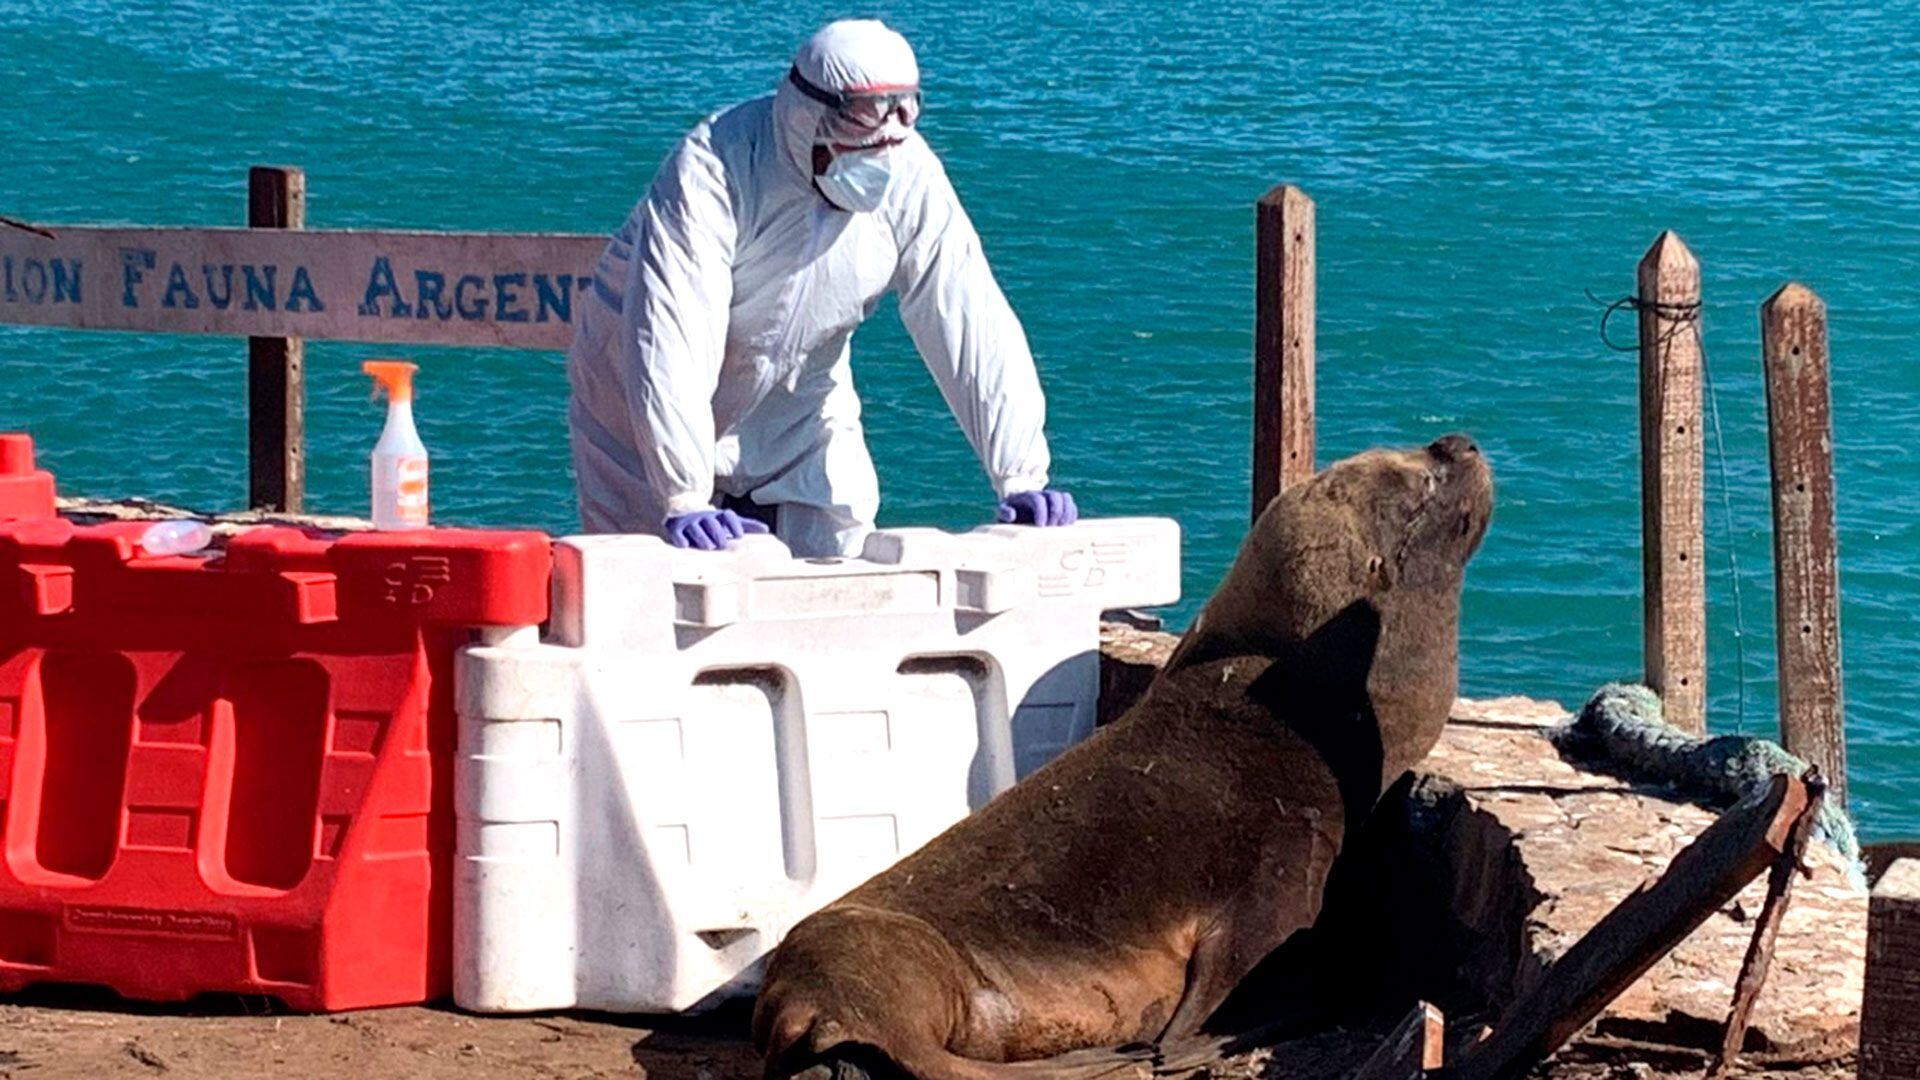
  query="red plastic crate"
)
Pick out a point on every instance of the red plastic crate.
point(235, 774)
point(25, 492)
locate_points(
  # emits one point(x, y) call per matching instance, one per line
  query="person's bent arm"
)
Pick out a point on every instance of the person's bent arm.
point(678, 292)
point(972, 342)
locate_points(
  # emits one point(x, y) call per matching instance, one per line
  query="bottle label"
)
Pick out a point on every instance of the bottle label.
point(411, 490)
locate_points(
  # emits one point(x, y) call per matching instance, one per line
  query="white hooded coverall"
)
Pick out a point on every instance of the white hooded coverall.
point(712, 350)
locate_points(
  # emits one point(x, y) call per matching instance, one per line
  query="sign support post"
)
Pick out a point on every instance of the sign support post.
point(276, 366)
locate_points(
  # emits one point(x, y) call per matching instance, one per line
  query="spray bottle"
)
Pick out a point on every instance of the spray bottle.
point(399, 458)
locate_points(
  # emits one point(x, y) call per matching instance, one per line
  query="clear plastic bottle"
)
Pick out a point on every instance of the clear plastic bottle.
point(399, 458)
point(178, 537)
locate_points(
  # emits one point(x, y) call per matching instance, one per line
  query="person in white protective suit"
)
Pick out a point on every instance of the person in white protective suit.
point(711, 389)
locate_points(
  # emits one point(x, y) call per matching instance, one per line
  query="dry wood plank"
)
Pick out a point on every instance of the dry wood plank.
point(1639, 931)
point(1889, 1037)
point(276, 366)
point(507, 290)
point(1793, 330)
point(1881, 855)
point(1759, 958)
point(1672, 458)
point(1283, 343)
point(1416, 1045)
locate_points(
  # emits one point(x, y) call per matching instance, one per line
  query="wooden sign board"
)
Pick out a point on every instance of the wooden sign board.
point(511, 290)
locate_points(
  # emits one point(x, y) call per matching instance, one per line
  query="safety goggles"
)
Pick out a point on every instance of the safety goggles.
point(866, 109)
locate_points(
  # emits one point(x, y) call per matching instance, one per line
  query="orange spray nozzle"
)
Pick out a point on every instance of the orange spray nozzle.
point(393, 376)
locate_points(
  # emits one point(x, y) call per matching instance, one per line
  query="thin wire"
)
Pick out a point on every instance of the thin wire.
point(1687, 317)
point(1733, 554)
point(1683, 315)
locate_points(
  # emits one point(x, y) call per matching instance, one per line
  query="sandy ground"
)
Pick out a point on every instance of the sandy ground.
point(68, 1038)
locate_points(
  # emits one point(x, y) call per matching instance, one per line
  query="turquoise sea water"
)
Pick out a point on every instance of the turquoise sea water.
point(1477, 167)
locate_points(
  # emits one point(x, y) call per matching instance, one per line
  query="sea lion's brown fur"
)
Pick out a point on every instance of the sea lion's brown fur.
point(1376, 522)
point(1120, 892)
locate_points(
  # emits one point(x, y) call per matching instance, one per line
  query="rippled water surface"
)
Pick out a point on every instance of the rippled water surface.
point(1476, 170)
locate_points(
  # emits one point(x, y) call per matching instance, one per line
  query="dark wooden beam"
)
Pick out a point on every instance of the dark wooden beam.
point(1284, 300)
point(1645, 927)
point(276, 366)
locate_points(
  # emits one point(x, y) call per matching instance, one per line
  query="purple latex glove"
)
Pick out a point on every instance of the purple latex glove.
point(710, 530)
point(1038, 508)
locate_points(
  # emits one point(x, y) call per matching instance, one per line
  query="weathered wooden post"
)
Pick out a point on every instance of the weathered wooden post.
point(1672, 455)
point(1806, 574)
point(1282, 343)
point(276, 376)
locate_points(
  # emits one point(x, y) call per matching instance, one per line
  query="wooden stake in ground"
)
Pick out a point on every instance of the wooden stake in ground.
point(1759, 958)
point(1282, 343)
point(1672, 457)
point(276, 367)
point(1806, 573)
point(1645, 927)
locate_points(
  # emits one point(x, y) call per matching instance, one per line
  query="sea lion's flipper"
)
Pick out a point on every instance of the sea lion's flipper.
point(1213, 970)
point(853, 1061)
point(1283, 899)
point(1131, 1062)
point(1316, 688)
point(1319, 688)
point(1334, 659)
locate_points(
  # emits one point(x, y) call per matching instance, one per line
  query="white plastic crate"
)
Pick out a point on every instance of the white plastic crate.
point(709, 746)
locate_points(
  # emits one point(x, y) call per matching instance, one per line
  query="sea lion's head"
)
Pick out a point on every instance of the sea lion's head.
point(1418, 514)
point(1374, 526)
point(1356, 574)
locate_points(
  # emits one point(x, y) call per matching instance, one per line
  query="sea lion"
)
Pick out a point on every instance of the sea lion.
point(1120, 892)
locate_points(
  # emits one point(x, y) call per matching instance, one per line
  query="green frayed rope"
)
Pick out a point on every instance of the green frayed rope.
point(1625, 724)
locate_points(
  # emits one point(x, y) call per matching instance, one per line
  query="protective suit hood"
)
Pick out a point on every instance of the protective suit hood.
point(852, 54)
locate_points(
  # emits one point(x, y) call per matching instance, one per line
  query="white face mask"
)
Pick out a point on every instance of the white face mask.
point(856, 180)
